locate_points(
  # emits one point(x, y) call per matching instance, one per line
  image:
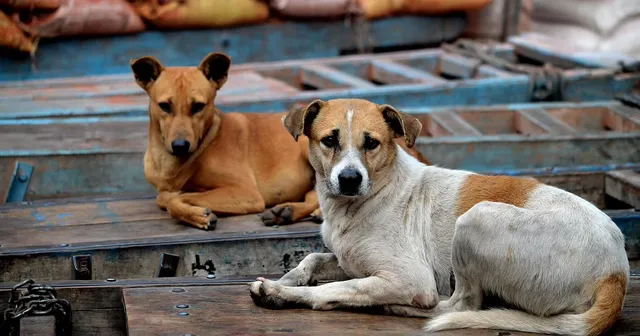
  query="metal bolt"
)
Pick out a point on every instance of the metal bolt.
point(178, 290)
point(63, 245)
point(23, 178)
point(111, 279)
point(183, 314)
point(211, 276)
point(182, 306)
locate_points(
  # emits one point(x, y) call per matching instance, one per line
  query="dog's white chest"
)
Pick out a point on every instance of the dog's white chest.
point(349, 248)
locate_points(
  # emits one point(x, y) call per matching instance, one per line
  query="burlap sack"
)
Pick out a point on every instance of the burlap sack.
point(12, 37)
point(30, 4)
point(85, 17)
point(174, 14)
point(601, 16)
point(313, 8)
point(381, 8)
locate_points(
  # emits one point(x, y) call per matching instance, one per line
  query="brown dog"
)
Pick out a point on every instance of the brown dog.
point(205, 163)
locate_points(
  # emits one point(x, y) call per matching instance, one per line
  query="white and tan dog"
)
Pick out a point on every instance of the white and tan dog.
point(398, 228)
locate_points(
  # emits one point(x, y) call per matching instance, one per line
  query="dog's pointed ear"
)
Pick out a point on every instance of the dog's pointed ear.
point(146, 70)
point(215, 67)
point(298, 121)
point(402, 124)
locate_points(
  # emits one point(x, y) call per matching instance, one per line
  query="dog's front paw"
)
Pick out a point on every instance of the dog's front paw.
point(207, 220)
point(266, 293)
point(316, 216)
point(278, 215)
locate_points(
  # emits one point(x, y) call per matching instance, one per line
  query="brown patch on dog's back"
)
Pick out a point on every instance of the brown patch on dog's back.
point(504, 189)
point(607, 306)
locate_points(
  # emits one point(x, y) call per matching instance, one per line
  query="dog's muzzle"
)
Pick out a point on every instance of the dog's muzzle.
point(180, 147)
point(349, 182)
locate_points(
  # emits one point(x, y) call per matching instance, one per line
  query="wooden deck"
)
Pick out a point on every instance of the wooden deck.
point(224, 307)
point(228, 310)
point(129, 237)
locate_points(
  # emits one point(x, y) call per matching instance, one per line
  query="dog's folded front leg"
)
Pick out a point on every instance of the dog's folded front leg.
point(291, 212)
point(313, 268)
point(164, 197)
point(200, 209)
point(362, 292)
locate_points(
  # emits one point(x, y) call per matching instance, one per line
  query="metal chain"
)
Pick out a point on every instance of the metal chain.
point(30, 299)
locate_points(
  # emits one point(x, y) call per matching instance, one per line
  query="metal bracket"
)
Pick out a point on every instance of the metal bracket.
point(168, 265)
point(19, 182)
point(208, 267)
point(82, 267)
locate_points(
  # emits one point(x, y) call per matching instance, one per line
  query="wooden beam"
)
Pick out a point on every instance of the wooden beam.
point(325, 77)
point(624, 185)
point(545, 121)
point(454, 124)
point(390, 72)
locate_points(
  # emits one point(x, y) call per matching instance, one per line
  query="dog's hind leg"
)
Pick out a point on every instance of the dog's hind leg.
point(313, 268)
point(287, 213)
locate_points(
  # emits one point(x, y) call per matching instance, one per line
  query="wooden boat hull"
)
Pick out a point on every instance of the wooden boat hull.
point(126, 238)
point(258, 43)
point(103, 156)
point(430, 77)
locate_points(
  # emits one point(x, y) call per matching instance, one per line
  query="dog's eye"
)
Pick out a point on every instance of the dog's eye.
point(166, 107)
point(196, 107)
point(370, 143)
point(329, 141)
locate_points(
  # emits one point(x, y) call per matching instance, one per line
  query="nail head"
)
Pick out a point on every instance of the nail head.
point(111, 279)
point(182, 306)
point(178, 290)
point(211, 276)
point(183, 314)
point(64, 245)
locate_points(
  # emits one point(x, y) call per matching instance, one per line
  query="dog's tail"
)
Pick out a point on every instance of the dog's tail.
point(606, 308)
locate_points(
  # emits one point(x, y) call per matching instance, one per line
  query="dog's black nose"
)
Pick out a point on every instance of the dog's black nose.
point(349, 180)
point(180, 147)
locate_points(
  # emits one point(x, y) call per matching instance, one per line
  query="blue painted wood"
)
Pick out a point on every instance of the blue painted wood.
point(98, 156)
point(409, 79)
point(17, 189)
point(268, 42)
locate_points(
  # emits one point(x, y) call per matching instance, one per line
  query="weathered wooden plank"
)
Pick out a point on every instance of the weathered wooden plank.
point(38, 325)
point(474, 84)
point(543, 120)
point(229, 309)
point(390, 72)
point(102, 156)
point(127, 237)
point(458, 66)
point(268, 42)
point(624, 185)
point(629, 113)
point(454, 125)
point(519, 152)
point(324, 77)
